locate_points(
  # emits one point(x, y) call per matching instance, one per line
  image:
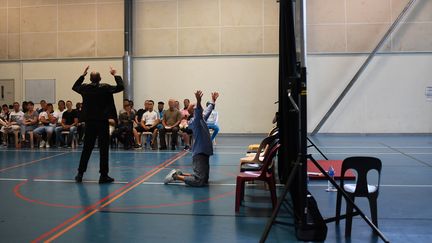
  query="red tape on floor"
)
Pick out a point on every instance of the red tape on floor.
point(72, 222)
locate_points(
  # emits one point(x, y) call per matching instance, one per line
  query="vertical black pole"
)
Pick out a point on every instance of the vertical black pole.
point(288, 123)
point(128, 45)
point(302, 176)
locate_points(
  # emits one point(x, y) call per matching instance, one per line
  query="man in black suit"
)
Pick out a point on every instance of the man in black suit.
point(98, 107)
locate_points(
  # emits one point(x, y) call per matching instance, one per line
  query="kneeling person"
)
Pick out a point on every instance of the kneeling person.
point(202, 148)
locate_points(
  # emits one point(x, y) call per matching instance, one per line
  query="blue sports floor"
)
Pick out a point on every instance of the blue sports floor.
point(40, 201)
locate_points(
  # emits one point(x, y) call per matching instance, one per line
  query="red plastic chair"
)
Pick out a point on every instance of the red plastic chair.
point(266, 174)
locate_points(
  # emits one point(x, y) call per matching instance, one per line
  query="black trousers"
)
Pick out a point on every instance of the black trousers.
point(99, 130)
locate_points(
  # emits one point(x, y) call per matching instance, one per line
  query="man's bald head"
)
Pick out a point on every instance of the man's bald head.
point(171, 104)
point(95, 77)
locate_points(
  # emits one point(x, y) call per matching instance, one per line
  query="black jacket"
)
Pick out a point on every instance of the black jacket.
point(98, 100)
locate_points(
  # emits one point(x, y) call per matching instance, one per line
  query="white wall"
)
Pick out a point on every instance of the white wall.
point(64, 72)
point(388, 98)
point(247, 86)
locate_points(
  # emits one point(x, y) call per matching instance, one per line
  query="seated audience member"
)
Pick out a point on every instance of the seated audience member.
point(30, 122)
point(24, 107)
point(125, 131)
point(184, 124)
point(125, 103)
point(112, 126)
point(138, 117)
point(81, 124)
point(185, 114)
point(177, 105)
point(131, 103)
point(43, 105)
point(171, 120)
point(140, 112)
point(4, 122)
point(48, 123)
point(212, 122)
point(61, 107)
point(13, 124)
point(68, 123)
point(149, 122)
point(4, 115)
point(59, 112)
point(161, 111)
point(187, 133)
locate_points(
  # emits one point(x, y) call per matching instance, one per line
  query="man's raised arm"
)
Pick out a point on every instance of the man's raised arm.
point(77, 85)
point(210, 108)
point(119, 81)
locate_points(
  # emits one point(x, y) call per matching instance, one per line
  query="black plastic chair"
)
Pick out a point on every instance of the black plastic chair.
point(362, 165)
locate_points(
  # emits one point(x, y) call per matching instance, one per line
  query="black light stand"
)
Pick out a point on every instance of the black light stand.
point(292, 155)
point(297, 169)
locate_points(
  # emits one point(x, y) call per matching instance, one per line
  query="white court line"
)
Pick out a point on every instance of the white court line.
point(179, 183)
point(94, 151)
point(314, 153)
point(389, 153)
point(240, 153)
point(371, 147)
point(280, 185)
point(12, 179)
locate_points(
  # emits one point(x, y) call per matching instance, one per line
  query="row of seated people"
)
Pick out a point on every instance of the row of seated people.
point(131, 124)
point(47, 126)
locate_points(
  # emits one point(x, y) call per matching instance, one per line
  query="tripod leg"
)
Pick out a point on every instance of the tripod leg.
point(279, 204)
point(319, 151)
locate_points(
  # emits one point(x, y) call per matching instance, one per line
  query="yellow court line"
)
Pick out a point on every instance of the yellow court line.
point(60, 233)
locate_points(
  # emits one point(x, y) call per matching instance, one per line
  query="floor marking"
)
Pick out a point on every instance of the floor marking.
point(378, 153)
point(12, 179)
point(407, 186)
point(408, 155)
point(72, 222)
point(31, 162)
point(194, 214)
point(372, 147)
point(94, 151)
point(182, 184)
point(73, 181)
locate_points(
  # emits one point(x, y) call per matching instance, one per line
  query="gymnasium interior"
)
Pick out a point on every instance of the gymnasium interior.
point(307, 88)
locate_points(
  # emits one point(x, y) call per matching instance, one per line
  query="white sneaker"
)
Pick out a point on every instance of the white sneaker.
point(47, 145)
point(170, 177)
point(42, 144)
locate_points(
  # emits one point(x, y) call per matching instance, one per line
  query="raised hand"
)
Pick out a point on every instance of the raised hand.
point(198, 95)
point(112, 71)
point(85, 70)
point(214, 95)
